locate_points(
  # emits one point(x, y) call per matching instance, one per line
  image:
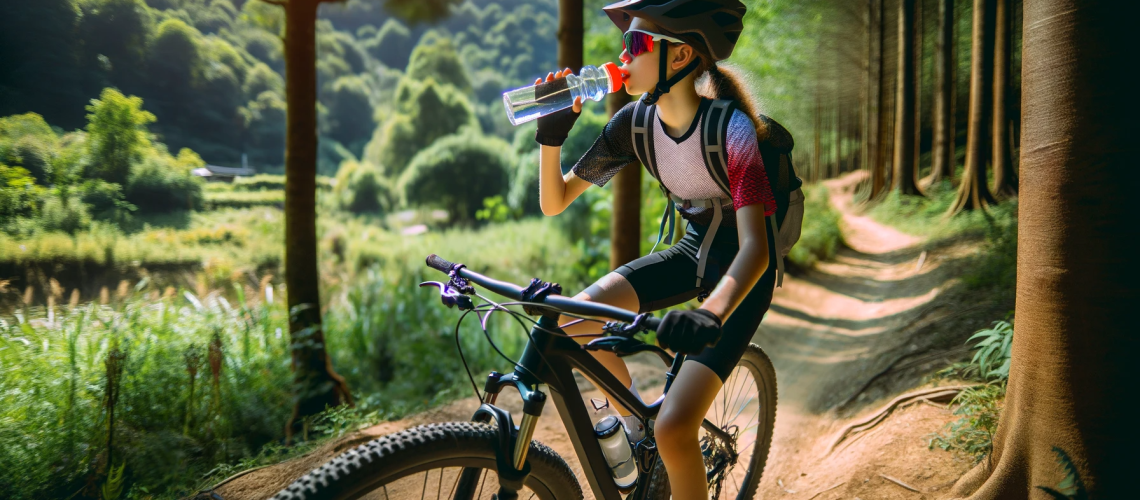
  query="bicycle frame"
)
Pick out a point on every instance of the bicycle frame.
point(551, 359)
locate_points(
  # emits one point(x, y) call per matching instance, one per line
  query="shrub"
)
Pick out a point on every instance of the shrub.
point(457, 173)
point(216, 200)
point(361, 188)
point(820, 236)
point(67, 215)
point(157, 185)
point(426, 111)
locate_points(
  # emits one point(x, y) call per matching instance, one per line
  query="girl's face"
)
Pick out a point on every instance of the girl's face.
point(643, 69)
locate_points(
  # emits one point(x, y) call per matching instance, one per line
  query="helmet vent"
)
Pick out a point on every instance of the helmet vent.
point(732, 36)
point(692, 8)
point(723, 19)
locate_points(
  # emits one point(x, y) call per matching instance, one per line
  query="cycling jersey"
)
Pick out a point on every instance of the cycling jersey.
point(681, 165)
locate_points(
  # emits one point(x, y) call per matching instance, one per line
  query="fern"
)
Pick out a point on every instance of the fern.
point(1070, 487)
point(114, 485)
point(993, 352)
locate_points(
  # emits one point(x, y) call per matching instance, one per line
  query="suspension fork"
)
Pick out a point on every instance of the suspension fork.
point(513, 442)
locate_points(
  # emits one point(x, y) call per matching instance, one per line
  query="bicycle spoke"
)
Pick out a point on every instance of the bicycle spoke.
point(439, 487)
point(423, 491)
point(453, 486)
point(385, 492)
point(482, 475)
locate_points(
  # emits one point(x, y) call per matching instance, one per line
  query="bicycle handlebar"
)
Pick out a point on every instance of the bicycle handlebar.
point(565, 304)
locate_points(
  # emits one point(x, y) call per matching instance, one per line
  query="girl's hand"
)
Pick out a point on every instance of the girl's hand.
point(562, 74)
point(555, 127)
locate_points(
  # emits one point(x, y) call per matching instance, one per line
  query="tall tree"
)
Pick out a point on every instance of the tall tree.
point(905, 167)
point(942, 152)
point(871, 93)
point(878, 169)
point(1005, 178)
point(625, 231)
point(1075, 343)
point(315, 384)
point(973, 192)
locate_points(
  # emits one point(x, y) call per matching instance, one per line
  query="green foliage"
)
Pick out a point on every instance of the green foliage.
point(926, 215)
point(495, 209)
point(973, 434)
point(435, 57)
point(262, 78)
point(243, 199)
point(820, 236)
point(349, 118)
point(427, 111)
point(163, 184)
point(116, 135)
point(994, 267)
point(993, 352)
point(457, 173)
point(63, 214)
point(392, 44)
point(1071, 487)
point(18, 193)
point(361, 188)
point(27, 141)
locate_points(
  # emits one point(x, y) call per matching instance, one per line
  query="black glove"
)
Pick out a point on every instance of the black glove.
point(555, 127)
point(688, 332)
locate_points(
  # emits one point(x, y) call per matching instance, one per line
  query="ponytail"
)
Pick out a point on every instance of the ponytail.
point(728, 83)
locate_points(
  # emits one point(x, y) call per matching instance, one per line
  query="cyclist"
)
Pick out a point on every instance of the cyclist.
point(668, 45)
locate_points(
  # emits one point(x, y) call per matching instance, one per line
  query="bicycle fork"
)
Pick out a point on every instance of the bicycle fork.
point(513, 443)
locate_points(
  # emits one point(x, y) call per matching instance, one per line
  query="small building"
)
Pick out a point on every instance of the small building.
point(215, 173)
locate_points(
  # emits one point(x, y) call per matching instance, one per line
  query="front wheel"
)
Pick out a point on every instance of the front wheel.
point(428, 462)
point(745, 410)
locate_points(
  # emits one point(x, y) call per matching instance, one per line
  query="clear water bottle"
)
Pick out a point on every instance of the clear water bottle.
point(529, 103)
point(618, 451)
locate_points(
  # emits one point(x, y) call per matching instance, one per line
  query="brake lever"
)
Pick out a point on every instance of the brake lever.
point(627, 346)
point(451, 296)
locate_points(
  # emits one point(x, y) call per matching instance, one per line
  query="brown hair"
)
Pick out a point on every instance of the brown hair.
point(716, 82)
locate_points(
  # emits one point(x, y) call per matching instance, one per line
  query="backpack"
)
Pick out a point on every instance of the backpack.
point(775, 151)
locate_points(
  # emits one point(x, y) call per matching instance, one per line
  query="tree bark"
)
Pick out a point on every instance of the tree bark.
point(625, 231)
point(871, 107)
point(942, 152)
point(315, 384)
point(570, 34)
point(903, 179)
point(878, 172)
point(1075, 342)
point(1005, 178)
point(974, 192)
point(919, 34)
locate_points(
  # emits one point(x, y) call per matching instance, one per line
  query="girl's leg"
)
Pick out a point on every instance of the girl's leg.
point(677, 426)
point(613, 289)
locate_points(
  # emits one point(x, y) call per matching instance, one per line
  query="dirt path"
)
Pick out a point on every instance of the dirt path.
point(844, 337)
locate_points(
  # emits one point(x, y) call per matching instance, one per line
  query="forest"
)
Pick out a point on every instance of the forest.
point(165, 332)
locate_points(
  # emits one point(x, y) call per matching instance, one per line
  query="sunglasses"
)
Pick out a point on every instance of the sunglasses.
point(638, 42)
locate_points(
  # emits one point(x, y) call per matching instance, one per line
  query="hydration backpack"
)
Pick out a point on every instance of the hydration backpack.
point(775, 151)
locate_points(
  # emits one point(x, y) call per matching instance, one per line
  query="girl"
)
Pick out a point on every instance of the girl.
point(668, 44)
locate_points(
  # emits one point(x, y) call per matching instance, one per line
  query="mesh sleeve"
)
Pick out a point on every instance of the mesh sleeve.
point(612, 150)
point(746, 175)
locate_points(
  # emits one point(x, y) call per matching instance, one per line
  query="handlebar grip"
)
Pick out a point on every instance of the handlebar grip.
point(438, 263)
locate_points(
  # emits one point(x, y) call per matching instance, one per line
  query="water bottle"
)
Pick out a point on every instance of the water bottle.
point(529, 103)
point(618, 451)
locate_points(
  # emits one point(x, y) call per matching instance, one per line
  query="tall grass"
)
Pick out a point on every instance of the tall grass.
point(926, 215)
point(203, 381)
point(820, 236)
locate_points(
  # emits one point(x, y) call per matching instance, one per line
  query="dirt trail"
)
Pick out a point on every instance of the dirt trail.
point(845, 337)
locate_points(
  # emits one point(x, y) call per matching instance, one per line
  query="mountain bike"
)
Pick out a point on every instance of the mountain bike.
point(492, 458)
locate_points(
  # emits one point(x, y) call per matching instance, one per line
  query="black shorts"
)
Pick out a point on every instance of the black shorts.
point(669, 277)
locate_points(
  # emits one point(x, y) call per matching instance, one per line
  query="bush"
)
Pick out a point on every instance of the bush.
point(158, 185)
point(820, 236)
point(244, 199)
point(361, 188)
point(457, 173)
point(67, 215)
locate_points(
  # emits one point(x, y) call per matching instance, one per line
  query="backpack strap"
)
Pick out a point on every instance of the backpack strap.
point(714, 131)
point(642, 133)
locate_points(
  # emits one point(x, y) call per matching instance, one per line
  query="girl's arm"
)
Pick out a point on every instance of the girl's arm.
point(556, 191)
point(750, 263)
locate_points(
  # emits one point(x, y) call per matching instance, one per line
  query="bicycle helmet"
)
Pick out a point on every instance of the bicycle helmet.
point(712, 26)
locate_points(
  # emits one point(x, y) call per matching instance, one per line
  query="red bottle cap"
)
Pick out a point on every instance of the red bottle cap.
point(617, 76)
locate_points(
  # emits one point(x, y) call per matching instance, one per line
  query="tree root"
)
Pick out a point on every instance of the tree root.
point(930, 395)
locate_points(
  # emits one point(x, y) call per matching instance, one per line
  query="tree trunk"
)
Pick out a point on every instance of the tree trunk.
point(625, 231)
point(973, 192)
point(570, 34)
point(903, 179)
point(1005, 178)
point(315, 384)
point(919, 34)
point(1075, 343)
point(871, 113)
point(942, 153)
point(878, 172)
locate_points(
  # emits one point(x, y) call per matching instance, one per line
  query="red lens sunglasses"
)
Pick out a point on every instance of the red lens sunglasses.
point(638, 42)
